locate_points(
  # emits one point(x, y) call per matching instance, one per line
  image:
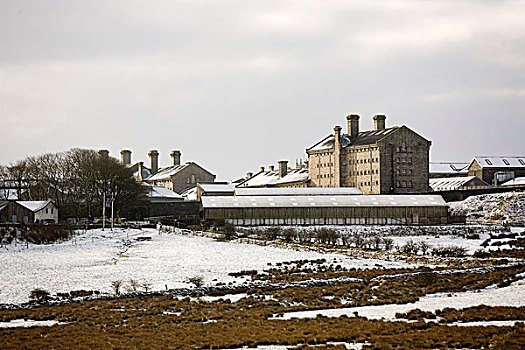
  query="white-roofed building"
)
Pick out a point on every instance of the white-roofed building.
point(215, 189)
point(497, 169)
point(448, 169)
point(457, 183)
point(27, 212)
point(160, 194)
point(326, 209)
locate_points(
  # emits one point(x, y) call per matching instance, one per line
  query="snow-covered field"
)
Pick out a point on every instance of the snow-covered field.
point(513, 295)
point(94, 259)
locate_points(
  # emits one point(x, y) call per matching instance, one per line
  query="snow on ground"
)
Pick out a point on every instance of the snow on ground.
point(508, 207)
point(94, 259)
point(513, 295)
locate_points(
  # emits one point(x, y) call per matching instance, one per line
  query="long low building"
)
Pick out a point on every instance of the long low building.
point(326, 210)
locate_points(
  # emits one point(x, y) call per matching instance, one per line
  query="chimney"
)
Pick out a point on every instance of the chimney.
point(353, 125)
point(125, 157)
point(249, 175)
point(337, 137)
point(139, 171)
point(103, 153)
point(154, 161)
point(272, 168)
point(379, 122)
point(175, 157)
point(283, 168)
point(262, 168)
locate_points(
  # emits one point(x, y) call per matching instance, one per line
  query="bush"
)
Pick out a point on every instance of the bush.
point(39, 295)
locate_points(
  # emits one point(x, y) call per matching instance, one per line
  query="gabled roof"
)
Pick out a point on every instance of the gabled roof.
point(190, 194)
point(167, 172)
point(448, 168)
point(34, 206)
point(500, 161)
point(363, 138)
point(271, 178)
point(453, 183)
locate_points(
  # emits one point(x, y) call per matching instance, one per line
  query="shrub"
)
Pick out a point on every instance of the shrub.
point(39, 295)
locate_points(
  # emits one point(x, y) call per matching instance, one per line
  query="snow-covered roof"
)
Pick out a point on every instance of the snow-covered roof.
point(163, 192)
point(217, 188)
point(323, 201)
point(453, 183)
point(363, 138)
point(34, 205)
point(298, 191)
point(145, 173)
point(271, 178)
point(500, 161)
point(167, 172)
point(448, 168)
point(519, 181)
point(190, 194)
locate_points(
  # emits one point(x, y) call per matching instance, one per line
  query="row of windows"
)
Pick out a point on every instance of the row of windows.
point(324, 154)
point(366, 183)
point(403, 160)
point(404, 184)
point(404, 149)
point(361, 161)
point(324, 176)
point(320, 165)
point(363, 172)
point(405, 172)
point(367, 149)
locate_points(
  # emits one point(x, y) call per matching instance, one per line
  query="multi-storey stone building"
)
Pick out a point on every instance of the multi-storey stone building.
point(380, 161)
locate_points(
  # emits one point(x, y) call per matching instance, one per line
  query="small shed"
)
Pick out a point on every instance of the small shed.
point(457, 183)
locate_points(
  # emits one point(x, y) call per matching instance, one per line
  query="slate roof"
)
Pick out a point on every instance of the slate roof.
point(163, 192)
point(500, 161)
point(363, 138)
point(167, 172)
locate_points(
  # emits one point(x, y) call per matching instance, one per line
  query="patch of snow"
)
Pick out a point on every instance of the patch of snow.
point(27, 323)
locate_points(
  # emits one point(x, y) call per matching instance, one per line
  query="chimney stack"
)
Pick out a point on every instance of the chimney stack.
point(154, 161)
point(379, 122)
point(175, 157)
point(283, 168)
point(139, 171)
point(103, 153)
point(262, 168)
point(125, 157)
point(272, 168)
point(353, 125)
point(337, 137)
point(249, 175)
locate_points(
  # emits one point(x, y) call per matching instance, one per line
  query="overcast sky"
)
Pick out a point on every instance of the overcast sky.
point(239, 84)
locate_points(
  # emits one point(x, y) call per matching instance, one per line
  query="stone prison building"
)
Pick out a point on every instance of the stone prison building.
point(381, 161)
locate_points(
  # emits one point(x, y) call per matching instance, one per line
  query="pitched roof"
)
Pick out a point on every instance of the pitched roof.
point(298, 191)
point(453, 183)
point(448, 168)
point(34, 205)
point(500, 161)
point(519, 181)
point(271, 178)
point(323, 201)
point(163, 192)
point(217, 188)
point(167, 172)
point(363, 138)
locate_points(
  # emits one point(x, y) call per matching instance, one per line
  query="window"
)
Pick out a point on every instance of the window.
point(506, 161)
point(521, 161)
point(488, 161)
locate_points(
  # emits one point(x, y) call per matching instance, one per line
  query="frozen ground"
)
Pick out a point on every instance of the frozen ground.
point(513, 295)
point(94, 259)
point(507, 207)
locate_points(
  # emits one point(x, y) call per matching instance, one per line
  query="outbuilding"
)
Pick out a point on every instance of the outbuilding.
point(326, 210)
point(29, 212)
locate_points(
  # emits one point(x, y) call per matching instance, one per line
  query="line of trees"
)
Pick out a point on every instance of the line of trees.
point(76, 181)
